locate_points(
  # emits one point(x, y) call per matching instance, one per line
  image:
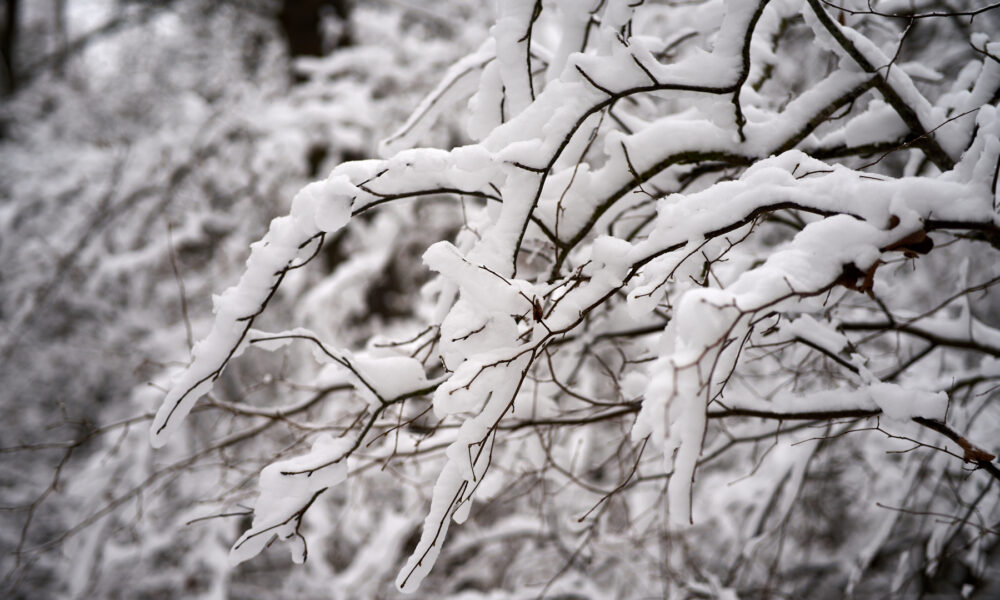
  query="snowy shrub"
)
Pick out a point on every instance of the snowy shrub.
point(704, 306)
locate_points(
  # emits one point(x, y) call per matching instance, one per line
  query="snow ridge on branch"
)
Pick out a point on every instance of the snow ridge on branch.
point(615, 133)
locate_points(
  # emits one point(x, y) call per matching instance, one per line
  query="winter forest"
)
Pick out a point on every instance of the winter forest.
point(564, 299)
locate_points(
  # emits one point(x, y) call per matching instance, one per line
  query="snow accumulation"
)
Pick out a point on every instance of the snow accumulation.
point(287, 488)
point(493, 324)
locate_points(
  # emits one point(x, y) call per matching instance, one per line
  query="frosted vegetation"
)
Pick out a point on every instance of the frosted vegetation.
point(662, 299)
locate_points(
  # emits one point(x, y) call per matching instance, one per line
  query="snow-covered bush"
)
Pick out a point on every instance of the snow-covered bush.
point(707, 308)
point(130, 187)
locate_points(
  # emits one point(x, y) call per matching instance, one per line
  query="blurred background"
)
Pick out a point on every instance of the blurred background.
point(143, 146)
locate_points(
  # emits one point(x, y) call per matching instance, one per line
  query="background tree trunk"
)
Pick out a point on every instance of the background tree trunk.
point(301, 25)
point(8, 36)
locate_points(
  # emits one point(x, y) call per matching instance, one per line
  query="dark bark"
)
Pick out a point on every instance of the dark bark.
point(8, 38)
point(301, 25)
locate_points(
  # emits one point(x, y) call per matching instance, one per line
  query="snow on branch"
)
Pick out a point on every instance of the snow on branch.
point(632, 193)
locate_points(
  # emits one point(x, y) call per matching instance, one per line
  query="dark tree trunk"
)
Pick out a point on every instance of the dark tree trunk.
point(301, 25)
point(7, 44)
